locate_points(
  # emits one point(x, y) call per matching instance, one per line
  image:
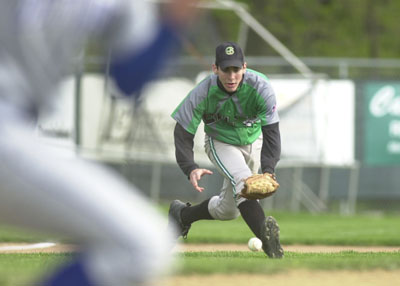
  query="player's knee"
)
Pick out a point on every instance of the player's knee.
point(227, 214)
point(221, 210)
point(231, 214)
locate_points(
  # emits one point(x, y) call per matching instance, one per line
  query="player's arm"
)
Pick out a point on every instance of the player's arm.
point(132, 70)
point(271, 148)
point(148, 41)
point(184, 142)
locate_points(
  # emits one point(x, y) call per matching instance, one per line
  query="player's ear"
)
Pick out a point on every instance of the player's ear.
point(244, 66)
point(215, 69)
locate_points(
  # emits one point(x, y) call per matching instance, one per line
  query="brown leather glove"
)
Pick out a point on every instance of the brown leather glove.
point(259, 186)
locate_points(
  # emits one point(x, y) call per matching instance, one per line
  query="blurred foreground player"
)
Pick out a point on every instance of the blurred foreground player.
point(39, 189)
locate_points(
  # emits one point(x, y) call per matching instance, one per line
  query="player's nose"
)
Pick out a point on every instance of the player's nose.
point(231, 74)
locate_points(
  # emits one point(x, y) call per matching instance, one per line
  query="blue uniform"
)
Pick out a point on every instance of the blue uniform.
point(124, 239)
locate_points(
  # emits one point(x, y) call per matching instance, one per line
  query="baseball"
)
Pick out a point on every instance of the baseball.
point(254, 244)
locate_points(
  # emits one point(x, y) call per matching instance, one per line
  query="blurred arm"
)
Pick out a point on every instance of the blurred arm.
point(133, 70)
point(134, 67)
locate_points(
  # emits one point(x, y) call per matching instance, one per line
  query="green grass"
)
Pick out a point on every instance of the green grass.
point(25, 269)
point(249, 262)
point(296, 228)
point(304, 228)
point(12, 234)
point(299, 228)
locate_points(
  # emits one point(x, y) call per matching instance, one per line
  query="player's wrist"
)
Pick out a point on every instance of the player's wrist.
point(191, 171)
point(273, 175)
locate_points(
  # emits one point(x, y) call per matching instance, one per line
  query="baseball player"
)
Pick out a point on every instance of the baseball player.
point(123, 238)
point(238, 108)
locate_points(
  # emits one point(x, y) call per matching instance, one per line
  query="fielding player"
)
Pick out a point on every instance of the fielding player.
point(123, 238)
point(238, 107)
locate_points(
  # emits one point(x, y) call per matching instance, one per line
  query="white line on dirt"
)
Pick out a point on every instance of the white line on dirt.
point(27, 246)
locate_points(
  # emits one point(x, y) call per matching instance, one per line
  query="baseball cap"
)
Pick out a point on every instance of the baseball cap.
point(229, 54)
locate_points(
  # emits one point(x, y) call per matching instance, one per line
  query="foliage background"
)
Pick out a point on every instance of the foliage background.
point(323, 28)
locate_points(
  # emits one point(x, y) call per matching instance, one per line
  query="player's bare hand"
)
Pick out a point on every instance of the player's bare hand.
point(196, 175)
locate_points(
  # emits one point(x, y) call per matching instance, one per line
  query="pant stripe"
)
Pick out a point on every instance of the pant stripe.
point(221, 166)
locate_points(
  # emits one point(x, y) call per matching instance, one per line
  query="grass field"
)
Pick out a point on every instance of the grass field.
point(304, 228)
point(324, 229)
point(248, 262)
point(296, 228)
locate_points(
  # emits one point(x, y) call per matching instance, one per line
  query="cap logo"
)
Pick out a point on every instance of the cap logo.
point(229, 51)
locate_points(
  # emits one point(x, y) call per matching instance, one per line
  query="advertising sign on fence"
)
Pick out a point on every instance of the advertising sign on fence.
point(382, 123)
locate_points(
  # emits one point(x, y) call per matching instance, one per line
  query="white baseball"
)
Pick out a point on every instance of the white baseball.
point(254, 244)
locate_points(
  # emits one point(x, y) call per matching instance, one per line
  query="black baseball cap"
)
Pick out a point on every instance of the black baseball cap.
point(229, 54)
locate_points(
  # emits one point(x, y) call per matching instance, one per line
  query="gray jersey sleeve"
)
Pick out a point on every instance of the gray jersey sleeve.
point(271, 114)
point(190, 111)
point(267, 110)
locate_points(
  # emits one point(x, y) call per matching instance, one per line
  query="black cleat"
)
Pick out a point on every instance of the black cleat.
point(270, 239)
point(174, 216)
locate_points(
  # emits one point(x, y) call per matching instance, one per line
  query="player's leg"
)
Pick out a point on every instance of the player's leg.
point(236, 164)
point(182, 215)
point(222, 207)
point(123, 237)
point(232, 163)
point(192, 214)
point(266, 229)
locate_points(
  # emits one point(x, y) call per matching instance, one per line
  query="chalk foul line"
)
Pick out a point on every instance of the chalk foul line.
point(27, 246)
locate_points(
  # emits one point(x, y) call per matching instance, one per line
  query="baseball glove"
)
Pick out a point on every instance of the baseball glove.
point(259, 186)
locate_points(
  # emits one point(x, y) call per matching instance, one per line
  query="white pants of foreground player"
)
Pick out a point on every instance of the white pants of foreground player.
point(124, 238)
point(235, 163)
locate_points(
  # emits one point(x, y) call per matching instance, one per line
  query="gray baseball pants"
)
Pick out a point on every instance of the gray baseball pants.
point(235, 163)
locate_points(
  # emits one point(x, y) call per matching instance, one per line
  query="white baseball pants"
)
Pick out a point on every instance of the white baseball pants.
point(235, 163)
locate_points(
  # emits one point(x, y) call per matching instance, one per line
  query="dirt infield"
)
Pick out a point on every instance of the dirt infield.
point(294, 277)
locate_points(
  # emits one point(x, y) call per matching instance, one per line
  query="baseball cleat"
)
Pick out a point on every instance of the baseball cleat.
point(270, 239)
point(174, 216)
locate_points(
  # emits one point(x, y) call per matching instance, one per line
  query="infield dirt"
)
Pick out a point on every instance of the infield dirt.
point(294, 277)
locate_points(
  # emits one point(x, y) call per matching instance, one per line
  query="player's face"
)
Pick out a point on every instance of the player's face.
point(230, 77)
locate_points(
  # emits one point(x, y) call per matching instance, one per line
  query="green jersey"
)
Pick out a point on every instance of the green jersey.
point(231, 118)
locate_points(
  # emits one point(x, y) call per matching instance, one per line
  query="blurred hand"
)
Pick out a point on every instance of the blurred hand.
point(180, 11)
point(196, 175)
